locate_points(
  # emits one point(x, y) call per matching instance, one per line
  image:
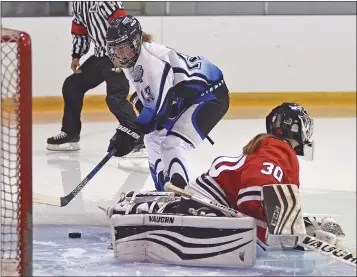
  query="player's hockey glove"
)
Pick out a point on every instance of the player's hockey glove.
point(126, 137)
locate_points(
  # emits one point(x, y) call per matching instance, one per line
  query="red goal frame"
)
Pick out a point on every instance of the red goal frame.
point(24, 135)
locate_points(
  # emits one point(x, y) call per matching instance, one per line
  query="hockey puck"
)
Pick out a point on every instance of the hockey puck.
point(74, 235)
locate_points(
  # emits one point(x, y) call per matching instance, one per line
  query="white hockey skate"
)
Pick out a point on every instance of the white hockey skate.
point(136, 160)
point(139, 151)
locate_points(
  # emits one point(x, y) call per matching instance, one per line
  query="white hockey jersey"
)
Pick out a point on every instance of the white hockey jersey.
point(161, 72)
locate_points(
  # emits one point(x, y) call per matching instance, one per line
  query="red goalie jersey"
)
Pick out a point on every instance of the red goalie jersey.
point(237, 181)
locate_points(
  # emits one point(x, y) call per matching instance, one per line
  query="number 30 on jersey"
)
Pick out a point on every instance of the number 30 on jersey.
point(272, 169)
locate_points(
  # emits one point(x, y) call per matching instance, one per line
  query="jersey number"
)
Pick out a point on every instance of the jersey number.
point(271, 169)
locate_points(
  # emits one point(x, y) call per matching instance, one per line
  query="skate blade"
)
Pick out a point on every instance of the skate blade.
point(134, 165)
point(136, 155)
point(71, 146)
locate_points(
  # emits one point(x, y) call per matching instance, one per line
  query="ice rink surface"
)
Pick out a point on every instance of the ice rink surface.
point(328, 188)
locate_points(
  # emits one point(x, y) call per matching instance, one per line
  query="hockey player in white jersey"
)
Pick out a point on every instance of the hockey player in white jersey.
point(180, 99)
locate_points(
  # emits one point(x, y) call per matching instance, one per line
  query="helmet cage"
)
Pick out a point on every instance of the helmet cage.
point(125, 52)
point(124, 40)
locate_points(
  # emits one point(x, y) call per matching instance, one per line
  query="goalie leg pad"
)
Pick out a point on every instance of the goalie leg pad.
point(283, 210)
point(283, 214)
point(184, 240)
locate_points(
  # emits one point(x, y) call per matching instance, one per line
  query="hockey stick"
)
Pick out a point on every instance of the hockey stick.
point(332, 251)
point(63, 201)
point(307, 241)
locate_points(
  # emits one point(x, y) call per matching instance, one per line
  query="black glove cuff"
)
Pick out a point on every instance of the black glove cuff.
point(134, 99)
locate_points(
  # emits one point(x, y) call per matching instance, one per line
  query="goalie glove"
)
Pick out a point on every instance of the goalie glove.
point(126, 137)
point(327, 230)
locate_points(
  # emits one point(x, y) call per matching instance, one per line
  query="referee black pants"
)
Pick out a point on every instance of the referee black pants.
point(95, 70)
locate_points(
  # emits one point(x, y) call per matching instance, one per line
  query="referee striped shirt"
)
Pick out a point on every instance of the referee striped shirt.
point(90, 23)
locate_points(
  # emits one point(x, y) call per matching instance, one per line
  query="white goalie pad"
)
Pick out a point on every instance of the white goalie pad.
point(283, 214)
point(184, 240)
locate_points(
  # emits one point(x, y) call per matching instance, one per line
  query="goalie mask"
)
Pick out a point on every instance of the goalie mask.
point(291, 121)
point(124, 40)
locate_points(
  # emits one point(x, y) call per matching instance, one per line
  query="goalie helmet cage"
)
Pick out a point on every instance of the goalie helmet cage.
point(16, 154)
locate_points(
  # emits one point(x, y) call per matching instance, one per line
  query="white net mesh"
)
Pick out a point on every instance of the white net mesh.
point(13, 217)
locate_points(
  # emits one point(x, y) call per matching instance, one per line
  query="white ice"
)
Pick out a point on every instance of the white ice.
point(328, 188)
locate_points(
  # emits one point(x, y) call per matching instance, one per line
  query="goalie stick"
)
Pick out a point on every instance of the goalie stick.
point(63, 201)
point(304, 240)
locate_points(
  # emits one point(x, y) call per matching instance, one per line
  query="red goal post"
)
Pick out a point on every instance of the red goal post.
point(16, 154)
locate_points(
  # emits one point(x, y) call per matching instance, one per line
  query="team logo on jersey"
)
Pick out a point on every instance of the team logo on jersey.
point(138, 74)
point(148, 95)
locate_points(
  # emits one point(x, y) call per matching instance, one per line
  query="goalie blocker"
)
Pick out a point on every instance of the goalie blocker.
point(184, 240)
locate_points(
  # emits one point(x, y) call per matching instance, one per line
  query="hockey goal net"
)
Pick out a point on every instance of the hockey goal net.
point(16, 154)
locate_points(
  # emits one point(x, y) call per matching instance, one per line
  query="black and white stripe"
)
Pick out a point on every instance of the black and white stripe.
point(283, 210)
point(188, 243)
point(94, 16)
point(81, 45)
point(210, 186)
point(249, 194)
